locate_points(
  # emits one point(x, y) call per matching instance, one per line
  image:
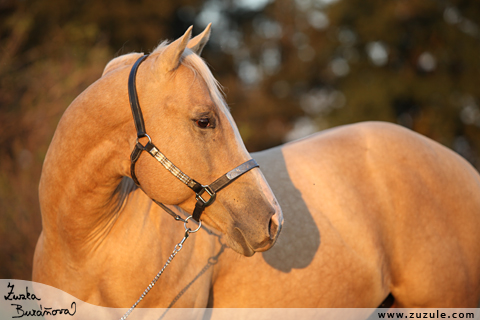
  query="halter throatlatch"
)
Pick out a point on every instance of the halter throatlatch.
point(149, 147)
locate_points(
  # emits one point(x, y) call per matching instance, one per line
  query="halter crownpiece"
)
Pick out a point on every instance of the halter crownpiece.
point(149, 147)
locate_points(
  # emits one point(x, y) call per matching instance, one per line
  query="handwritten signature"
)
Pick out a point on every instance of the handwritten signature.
point(41, 311)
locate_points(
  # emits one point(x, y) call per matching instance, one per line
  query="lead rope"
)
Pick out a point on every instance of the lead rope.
point(176, 250)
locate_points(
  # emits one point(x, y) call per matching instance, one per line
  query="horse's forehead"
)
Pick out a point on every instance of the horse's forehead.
point(187, 78)
point(186, 83)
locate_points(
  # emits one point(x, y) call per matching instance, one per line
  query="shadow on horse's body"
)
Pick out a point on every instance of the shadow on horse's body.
point(369, 209)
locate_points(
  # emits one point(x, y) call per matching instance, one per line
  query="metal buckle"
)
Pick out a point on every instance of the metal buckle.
point(210, 192)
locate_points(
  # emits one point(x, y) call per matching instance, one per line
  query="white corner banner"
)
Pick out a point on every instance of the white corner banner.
point(30, 300)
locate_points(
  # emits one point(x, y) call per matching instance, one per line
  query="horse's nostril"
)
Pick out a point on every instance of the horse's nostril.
point(272, 228)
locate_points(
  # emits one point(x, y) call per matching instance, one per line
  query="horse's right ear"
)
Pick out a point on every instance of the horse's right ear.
point(169, 60)
point(123, 60)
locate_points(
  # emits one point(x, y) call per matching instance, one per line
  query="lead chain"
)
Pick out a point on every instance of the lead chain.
point(176, 250)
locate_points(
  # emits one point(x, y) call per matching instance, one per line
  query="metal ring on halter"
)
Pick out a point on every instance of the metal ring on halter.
point(190, 230)
point(146, 135)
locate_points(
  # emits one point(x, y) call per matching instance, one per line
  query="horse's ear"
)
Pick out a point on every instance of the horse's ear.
point(170, 59)
point(198, 43)
point(123, 60)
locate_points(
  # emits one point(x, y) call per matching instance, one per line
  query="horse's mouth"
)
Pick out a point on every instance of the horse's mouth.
point(240, 244)
point(268, 245)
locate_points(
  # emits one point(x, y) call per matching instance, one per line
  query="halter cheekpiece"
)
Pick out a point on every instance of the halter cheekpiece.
point(149, 147)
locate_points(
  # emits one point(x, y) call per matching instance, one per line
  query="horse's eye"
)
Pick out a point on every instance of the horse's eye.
point(203, 123)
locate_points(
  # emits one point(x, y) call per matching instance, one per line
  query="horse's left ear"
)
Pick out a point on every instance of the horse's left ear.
point(198, 43)
point(170, 59)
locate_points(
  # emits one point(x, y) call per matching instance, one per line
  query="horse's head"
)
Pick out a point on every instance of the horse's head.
point(189, 122)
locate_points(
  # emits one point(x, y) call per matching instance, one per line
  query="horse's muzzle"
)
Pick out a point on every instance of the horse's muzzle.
point(274, 227)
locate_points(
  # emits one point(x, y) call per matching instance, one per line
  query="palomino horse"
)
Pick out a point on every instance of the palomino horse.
point(102, 249)
point(371, 209)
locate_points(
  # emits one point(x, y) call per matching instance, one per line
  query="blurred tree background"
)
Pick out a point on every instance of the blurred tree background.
point(289, 68)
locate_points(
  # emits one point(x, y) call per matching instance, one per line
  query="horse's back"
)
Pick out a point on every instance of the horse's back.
point(377, 208)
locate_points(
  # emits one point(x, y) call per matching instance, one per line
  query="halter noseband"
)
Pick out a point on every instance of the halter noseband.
point(198, 188)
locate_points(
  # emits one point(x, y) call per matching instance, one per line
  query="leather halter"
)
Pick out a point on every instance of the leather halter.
point(149, 147)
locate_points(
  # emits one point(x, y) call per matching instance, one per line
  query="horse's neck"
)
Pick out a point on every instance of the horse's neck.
point(85, 164)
